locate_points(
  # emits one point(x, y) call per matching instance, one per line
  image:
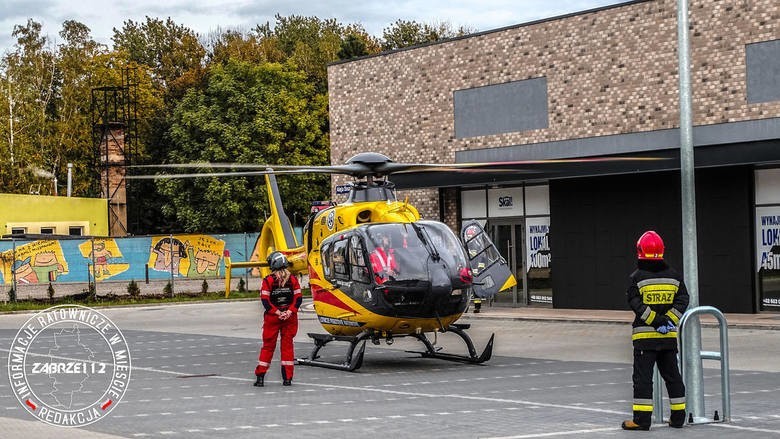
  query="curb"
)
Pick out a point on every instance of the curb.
point(137, 305)
point(767, 327)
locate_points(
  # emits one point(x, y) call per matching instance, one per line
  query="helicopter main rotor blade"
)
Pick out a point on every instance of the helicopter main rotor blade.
point(337, 169)
point(514, 166)
point(370, 164)
point(217, 174)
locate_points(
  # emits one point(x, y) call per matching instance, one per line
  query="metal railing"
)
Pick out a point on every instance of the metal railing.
point(692, 390)
point(695, 393)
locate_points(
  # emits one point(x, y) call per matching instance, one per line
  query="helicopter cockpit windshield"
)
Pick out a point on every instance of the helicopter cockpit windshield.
point(402, 251)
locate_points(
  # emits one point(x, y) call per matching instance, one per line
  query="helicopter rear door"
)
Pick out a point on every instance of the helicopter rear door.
point(490, 270)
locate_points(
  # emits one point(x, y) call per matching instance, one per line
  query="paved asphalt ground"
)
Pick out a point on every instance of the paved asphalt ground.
point(546, 379)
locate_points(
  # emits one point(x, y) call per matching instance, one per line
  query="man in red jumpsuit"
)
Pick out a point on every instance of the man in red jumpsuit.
point(281, 296)
point(383, 260)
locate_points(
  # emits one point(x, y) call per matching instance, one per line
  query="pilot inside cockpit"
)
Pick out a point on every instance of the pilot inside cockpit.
point(383, 259)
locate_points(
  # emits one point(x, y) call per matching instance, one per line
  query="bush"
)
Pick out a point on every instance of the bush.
point(204, 287)
point(241, 285)
point(168, 289)
point(50, 292)
point(132, 289)
point(12, 295)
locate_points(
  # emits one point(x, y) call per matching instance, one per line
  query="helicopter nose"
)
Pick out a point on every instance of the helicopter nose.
point(441, 285)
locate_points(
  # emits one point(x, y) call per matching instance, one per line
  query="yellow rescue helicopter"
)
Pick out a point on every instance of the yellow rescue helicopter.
point(377, 271)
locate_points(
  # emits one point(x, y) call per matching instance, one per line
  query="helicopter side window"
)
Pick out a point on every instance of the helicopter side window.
point(482, 251)
point(357, 260)
point(327, 260)
point(340, 270)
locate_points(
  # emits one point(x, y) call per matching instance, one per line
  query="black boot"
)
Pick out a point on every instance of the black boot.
point(677, 420)
point(260, 379)
point(631, 425)
point(287, 382)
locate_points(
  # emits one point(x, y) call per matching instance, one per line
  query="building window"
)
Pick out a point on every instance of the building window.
point(18, 230)
point(75, 230)
point(763, 64)
point(767, 238)
point(47, 230)
point(501, 108)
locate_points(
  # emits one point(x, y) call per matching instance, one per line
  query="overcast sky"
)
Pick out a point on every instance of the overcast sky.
point(204, 16)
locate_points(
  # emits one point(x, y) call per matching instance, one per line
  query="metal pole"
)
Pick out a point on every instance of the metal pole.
point(248, 257)
point(170, 241)
point(13, 270)
point(70, 178)
point(92, 242)
point(694, 380)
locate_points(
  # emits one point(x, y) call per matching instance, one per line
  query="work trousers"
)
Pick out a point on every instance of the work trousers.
point(273, 328)
point(643, 385)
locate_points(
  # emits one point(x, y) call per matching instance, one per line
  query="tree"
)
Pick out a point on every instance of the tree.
point(404, 33)
point(308, 42)
point(357, 42)
point(27, 87)
point(236, 45)
point(71, 134)
point(247, 113)
point(169, 49)
point(311, 43)
point(45, 103)
point(173, 57)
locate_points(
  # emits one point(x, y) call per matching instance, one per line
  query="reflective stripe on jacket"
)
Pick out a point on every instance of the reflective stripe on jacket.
point(656, 290)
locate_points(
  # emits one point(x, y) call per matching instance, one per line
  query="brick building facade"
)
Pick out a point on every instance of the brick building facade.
point(602, 82)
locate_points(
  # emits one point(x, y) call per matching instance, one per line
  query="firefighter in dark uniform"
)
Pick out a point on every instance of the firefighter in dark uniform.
point(658, 297)
point(281, 296)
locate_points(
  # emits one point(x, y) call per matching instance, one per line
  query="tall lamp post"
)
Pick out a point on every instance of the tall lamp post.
point(692, 361)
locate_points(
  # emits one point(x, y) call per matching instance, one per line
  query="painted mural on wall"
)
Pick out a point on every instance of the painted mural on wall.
point(196, 256)
point(35, 262)
point(100, 259)
point(106, 258)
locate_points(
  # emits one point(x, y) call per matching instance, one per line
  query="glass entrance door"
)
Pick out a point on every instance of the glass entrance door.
point(508, 235)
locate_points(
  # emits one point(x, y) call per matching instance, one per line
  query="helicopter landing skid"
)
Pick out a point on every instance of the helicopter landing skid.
point(352, 361)
point(459, 329)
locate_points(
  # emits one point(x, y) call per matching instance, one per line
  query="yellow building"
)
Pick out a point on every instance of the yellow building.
point(43, 214)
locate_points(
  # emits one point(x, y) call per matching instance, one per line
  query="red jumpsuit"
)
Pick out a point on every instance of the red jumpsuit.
point(277, 298)
point(383, 263)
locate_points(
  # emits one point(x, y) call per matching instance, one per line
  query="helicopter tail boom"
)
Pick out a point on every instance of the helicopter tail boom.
point(284, 236)
point(277, 232)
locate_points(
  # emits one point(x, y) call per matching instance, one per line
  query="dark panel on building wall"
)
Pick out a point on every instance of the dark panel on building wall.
point(501, 108)
point(596, 222)
point(724, 220)
point(763, 71)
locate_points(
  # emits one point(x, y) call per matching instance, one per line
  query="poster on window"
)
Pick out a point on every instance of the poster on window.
point(537, 232)
point(768, 254)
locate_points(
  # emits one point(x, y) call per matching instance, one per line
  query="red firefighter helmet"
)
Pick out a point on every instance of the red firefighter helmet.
point(650, 246)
